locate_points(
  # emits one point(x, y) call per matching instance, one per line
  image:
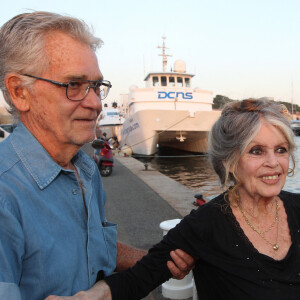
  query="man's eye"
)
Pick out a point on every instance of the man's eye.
point(74, 84)
point(255, 151)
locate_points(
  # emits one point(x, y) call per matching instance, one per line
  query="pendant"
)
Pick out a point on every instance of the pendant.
point(275, 247)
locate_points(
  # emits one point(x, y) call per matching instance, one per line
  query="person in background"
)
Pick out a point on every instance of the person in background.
point(247, 239)
point(54, 236)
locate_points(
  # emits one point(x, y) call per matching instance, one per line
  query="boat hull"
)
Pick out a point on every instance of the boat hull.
point(145, 129)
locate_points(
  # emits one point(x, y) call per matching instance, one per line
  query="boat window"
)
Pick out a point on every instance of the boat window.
point(171, 81)
point(163, 80)
point(155, 81)
point(187, 82)
point(179, 81)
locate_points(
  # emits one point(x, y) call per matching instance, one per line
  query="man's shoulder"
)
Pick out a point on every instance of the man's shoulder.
point(8, 171)
point(12, 146)
point(8, 156)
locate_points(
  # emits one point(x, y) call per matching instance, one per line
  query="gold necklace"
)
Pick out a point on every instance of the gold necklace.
point(262, 233)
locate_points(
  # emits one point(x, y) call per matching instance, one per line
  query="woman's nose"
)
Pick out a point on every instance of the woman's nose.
point(271, 159)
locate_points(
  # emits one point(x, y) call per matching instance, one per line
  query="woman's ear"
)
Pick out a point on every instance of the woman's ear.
point(231, 169)
point(18, 93)
point(224, 163)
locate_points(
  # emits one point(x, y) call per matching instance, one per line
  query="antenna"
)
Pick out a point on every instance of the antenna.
point(292, 99)
point(164, 55)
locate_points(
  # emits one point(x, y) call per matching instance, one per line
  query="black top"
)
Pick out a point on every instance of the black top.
point(229, 267)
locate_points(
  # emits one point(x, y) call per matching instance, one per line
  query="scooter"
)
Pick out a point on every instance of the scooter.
point(199, 200)
point(103, 156)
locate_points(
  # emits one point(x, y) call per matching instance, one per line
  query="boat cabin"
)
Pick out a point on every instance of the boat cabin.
point(177, 78)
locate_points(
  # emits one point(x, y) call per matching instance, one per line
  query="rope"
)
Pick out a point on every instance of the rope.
point(168, 156)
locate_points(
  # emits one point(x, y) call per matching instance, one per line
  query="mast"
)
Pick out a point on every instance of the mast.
point(164, 55)
point(292, 99)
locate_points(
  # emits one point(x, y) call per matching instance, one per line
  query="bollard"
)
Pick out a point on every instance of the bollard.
point(173, 288)
point(195, 294)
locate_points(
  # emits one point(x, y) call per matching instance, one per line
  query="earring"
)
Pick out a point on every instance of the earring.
point(291, 172)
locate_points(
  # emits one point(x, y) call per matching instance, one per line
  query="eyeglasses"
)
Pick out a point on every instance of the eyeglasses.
point(77, 90)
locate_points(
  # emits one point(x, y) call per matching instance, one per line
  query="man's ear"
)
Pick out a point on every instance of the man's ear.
point(18, 93)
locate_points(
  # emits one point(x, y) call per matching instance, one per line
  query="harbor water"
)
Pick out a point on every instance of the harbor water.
point(195, 171)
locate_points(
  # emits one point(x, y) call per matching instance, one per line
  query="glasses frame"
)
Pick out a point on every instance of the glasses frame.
point(92, 84)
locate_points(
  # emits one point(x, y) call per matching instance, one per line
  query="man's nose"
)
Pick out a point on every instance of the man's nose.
point(92, 100)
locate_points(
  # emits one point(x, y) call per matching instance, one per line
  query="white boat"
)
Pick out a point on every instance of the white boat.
point(109, 122)
point(168, 112)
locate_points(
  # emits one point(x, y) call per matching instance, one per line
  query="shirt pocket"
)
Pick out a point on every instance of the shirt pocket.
point(110, 237)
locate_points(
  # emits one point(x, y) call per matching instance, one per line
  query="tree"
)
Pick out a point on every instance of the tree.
point(220, 101)
point(288, 105)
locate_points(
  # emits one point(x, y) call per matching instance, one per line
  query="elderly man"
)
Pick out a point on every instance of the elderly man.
point(54, 237)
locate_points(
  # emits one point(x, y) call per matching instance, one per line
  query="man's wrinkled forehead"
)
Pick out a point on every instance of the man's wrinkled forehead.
point(57, 46)
point(64, 51)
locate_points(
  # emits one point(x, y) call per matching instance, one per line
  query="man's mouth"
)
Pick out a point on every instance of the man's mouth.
point(85, 120)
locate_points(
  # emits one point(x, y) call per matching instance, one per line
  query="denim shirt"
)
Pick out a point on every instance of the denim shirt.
point(48, 243)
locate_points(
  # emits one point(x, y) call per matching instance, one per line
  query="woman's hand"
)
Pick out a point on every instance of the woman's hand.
point(182, 265)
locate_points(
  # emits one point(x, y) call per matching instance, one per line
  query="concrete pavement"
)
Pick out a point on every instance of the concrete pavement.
point(140, 200)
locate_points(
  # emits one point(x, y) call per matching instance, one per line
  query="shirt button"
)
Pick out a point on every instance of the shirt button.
point(74, 191)
point(93, 271)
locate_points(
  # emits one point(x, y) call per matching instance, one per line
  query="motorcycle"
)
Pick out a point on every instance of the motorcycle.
point(103, 156)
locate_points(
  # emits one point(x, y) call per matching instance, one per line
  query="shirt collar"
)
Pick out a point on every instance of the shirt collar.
point(37, 160)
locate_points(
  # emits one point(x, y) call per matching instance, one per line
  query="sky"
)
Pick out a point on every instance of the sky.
point(235, 48)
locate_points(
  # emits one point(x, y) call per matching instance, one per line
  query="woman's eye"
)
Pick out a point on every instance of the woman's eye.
point(255, 151)
point(282, 150)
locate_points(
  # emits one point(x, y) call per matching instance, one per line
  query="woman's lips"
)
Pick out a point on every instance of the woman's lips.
point(270, 177)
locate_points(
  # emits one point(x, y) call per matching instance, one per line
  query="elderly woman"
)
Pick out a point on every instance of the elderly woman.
point(247, 239)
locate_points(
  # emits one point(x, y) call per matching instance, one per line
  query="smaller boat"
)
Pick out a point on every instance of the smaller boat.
point(109, 122)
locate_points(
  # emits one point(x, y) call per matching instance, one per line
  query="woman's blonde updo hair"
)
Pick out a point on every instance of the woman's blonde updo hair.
point(238, 124)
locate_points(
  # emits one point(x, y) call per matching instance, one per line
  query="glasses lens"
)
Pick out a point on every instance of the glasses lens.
point(104, 90)
point(77, 90)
